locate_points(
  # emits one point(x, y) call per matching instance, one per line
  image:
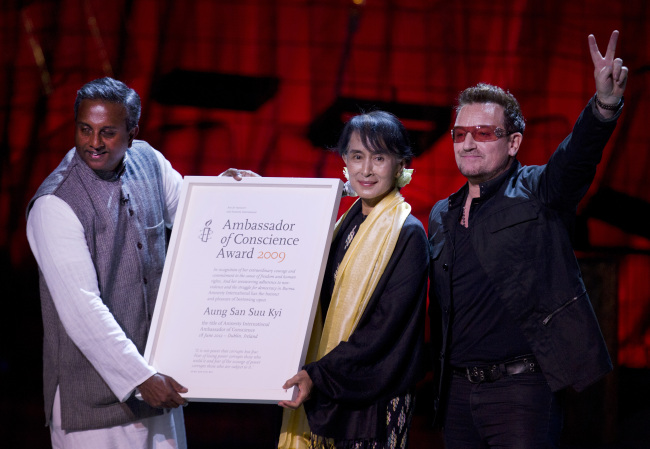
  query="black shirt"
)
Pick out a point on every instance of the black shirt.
point(482, 330)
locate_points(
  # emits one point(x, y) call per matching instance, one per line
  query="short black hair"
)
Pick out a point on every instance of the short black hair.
point(114, 91)
point(380, 131)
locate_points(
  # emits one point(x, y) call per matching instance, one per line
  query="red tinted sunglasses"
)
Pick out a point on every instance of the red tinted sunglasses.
point(480, 133)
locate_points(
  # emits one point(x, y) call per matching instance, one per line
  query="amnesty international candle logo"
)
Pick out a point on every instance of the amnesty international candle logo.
point(206, 233)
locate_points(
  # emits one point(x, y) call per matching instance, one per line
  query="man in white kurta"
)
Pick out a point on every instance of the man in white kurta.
point(105, 130)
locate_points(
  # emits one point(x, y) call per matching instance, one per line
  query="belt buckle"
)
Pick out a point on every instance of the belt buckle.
point(476, 374)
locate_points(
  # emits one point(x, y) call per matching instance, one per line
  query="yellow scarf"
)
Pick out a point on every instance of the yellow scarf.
point(356, 279)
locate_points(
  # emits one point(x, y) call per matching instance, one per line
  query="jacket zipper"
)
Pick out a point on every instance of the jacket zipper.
point(564, 306)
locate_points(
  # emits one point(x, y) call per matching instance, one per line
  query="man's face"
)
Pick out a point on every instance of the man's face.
point(483, 161)
point(101, 137)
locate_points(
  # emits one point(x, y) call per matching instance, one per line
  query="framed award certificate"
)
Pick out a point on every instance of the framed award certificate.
point(240, 285)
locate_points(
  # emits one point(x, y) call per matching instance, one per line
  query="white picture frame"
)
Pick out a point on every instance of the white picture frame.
point(240, 285)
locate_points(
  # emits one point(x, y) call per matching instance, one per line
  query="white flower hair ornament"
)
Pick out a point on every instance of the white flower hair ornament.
point(347, 187)
point(405, 177)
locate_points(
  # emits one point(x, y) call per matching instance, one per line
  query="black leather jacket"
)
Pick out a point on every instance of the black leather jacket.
point(522, 239)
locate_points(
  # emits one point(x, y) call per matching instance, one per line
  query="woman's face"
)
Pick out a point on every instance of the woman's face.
point(372, 175)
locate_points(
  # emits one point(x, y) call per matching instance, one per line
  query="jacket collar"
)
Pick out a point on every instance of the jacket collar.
point(487, 188)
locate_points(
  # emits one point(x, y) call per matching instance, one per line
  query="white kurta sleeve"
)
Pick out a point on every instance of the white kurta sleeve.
point(172, 181)
point(57, 240)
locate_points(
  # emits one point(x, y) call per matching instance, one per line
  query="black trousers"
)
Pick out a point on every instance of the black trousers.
point(513, 412)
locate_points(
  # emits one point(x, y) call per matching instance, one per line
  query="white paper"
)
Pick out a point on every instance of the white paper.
point(240, 285)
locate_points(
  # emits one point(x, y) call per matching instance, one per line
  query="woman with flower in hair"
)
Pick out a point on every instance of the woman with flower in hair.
point(365, 353)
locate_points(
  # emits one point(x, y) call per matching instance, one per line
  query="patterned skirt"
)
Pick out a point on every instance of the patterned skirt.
point(398, 420)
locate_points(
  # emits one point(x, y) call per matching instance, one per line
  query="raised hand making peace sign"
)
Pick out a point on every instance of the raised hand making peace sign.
point(610, 74)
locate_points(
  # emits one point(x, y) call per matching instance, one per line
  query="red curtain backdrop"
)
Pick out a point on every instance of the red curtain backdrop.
point(401, 51)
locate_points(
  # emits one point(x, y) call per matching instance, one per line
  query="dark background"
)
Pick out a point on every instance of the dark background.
point(265, 85)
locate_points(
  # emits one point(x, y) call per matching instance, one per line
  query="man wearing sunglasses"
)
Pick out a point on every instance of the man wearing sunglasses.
point(509, 313)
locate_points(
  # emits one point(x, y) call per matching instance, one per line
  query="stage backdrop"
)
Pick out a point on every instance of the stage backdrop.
point(266, 85)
